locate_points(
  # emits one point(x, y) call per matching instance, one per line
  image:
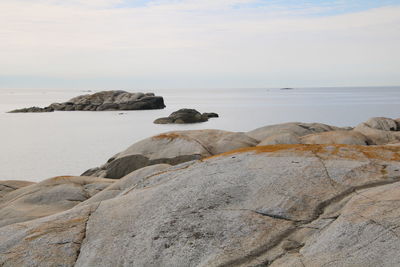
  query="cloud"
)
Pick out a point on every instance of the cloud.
point(161, 41)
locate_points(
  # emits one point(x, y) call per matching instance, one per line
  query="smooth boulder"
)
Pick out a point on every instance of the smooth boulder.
point(380, 130)
point(297, 129)
point(336, 137)
point(171, 148)
point(382, 123)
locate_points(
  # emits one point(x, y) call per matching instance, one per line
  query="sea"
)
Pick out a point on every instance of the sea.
point(37, 146)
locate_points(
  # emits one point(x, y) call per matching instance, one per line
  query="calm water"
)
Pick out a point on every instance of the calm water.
point(38, 146)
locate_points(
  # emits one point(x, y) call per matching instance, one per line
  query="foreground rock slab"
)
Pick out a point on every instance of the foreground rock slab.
point(281, 205)
point(105, 100)
point(186, 116)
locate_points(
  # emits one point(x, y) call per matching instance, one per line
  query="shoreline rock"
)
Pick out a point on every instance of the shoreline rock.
point(181, 146)
point(103, 101)
point(171, 148)
point(186, 115)
point(275, 205)
point(227, 200)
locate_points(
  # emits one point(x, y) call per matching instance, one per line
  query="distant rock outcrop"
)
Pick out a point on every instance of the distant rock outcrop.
point(105, 100)
point(186, 115)
point(32, 110)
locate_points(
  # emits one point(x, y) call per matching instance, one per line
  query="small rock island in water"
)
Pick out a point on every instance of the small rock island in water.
point(101, 101)
point(186, 115)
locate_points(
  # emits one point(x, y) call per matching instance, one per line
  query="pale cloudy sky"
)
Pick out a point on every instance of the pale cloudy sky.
point(198, 43)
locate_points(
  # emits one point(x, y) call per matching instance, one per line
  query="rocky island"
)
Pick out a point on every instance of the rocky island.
point(186, 115)
point(102, 101)
point(293, 194)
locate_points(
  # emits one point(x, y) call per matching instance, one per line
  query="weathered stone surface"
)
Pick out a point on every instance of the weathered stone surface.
point(294, 128)
point(32, 110)
point(380, 130)
point(48, 197)
point(105, 100)
point(51, 241)
point(210, 115)
point(186, 116)
point(381, 123)
point(171, 148)
point(278, 205)
point(242, 208)
point(336, 137)
point(126, 182)
point(8, 186)
point(365, 233)
point(280, 139)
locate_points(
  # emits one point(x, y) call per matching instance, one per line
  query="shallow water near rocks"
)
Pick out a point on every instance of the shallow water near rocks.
point(37, 146)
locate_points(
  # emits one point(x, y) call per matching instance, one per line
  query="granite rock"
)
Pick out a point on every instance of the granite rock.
point(102, 101)
point(186, 116)
point(280, 205)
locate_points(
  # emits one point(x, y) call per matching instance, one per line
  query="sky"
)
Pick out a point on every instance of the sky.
point(120, 44)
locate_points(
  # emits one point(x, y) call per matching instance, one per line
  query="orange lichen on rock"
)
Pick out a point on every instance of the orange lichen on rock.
point(61, 178)
point(55, 227)
point(389, 153)
point(168, 136)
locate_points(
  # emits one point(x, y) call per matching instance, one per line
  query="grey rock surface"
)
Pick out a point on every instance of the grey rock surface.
point(336, 137)
point(382, 123)
point(32, 110)
point(224, 202)
point(281, 205)
point(50, 241)
point(380, 130)
point(48, 197)
point(171, 148)
point(364, 233)
point(126, 182)
point(186, 115)
point(7, 186)
point(105, 100)
point(282, 138)
point(294, 128)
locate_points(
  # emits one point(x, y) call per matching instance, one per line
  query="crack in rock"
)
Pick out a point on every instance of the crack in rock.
point(276, 216)
point(319, 211)
point(9, 186)
point(84, 232)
